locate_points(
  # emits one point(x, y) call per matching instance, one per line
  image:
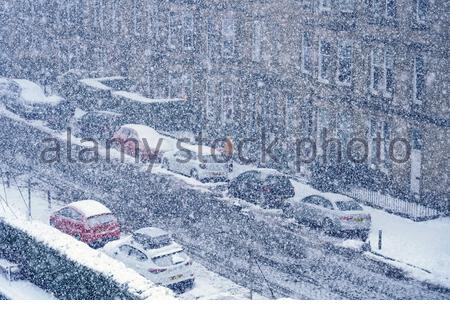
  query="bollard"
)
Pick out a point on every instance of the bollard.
point(380, 239)
point(49, 199)
point(29, 198)
point(8, 179)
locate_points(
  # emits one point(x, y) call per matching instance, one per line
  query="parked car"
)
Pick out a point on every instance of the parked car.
point(266, 187)
point(100, 125)
point(153, 254)
point(27, 99)
point(135, 138)
point(199, 162)
point(335, 213)
point(88, 221)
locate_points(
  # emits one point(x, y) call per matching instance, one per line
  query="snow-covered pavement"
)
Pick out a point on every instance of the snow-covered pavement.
point(22, 290)
point(422, 244)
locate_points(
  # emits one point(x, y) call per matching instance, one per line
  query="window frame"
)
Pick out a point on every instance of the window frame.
point(339, 61)
point(321, 61)
point(307, 51)
point(415, 79)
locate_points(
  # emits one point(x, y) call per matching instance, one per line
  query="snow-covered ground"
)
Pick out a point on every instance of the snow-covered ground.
point(22, 290)
point(422, 244)
point(208, 285)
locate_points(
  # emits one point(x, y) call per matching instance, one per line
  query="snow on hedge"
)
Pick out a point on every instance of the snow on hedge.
point(82, 254)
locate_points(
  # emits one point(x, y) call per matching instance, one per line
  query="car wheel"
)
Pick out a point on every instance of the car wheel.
point(328, 226)
point(194, 174)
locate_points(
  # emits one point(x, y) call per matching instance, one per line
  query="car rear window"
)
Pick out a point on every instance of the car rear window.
point(348, 206)
point(171, 259)
point(101, 219)
point(152, 242)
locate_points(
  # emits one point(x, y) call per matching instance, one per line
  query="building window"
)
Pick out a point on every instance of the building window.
point(228, 36)
point(175, 88)
point(383, 8)
point(346, 5)
point(188, 29)
point(421, 10)
point(324, 61)
point(344, 70)
point(114, 17)
point(187, 87)
point(306, 53)
point(419, 79)
point(390, 8)
point(135, 13)
point(213, 40)
point(175, 34)
point(389, 80)
point(227, 100)
point(382, 71)
point(325, 5)
point(256, 52)
point(211, 99)
point(376, 70)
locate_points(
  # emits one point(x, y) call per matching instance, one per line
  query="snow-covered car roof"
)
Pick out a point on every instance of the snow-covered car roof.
point(33, 93)
point(152, 136)
point(89, 208)
point(205, 150)
point(265, 172)
point(96, 83)
point(137, 97)
point(173, 247)
point(335, 197)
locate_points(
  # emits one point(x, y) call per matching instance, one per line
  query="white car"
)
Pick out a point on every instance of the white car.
point(334, 213)
point(154, 255)
point(199, 162)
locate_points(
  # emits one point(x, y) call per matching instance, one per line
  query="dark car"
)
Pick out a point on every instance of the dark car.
point(100, 125)
point(266, 187)
point(29, 100)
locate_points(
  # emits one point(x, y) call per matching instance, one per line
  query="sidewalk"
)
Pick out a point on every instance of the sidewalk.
point(22, 290)
point(425, 245)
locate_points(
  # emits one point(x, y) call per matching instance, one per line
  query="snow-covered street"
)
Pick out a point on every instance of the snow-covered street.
point(208, 285)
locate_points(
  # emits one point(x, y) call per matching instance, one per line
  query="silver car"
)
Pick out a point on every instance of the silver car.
point(334, 213)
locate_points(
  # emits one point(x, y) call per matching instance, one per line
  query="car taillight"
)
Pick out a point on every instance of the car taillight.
point(202, 166)
point(346, 218)
point(156, 271)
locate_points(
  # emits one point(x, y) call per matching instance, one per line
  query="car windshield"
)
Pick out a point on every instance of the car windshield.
point(101, 219)
point(348, 206)
point(171, 259)
point(152, 242)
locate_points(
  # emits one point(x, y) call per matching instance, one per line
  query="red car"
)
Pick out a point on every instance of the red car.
point(145, 140)
point(88, 221)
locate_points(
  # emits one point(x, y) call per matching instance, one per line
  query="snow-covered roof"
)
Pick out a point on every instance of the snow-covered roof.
point(152, 136)
point(137, 97)
point(33, 93)
point(89, 208)
point(97, 82)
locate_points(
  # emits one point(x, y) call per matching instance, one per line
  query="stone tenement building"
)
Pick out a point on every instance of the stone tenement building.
point(286, 68)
